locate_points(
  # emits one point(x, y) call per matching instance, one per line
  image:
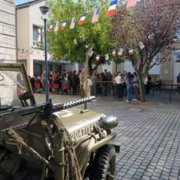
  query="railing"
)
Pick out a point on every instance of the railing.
point(170, 87)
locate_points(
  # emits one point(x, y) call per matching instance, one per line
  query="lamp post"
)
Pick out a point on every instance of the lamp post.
point(44, 10)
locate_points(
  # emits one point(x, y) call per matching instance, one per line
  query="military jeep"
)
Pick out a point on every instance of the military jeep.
point(51, 141)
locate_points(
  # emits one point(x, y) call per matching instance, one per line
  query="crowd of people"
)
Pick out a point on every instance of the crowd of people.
point(123, 86)
point(65, 82)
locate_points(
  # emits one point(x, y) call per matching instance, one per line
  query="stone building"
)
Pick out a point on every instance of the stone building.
point(7, 31)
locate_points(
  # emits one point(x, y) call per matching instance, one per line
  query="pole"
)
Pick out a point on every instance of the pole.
point(46, 62)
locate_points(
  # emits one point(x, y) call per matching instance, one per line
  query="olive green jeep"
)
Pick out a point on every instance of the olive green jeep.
point(51, 141)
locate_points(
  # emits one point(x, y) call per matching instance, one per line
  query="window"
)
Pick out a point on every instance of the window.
point(37, 36)
point(37, 69)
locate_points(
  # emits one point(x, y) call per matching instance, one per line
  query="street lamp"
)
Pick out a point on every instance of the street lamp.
point(44, 10)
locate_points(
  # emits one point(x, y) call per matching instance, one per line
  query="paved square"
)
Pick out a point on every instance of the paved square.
point(149, 134)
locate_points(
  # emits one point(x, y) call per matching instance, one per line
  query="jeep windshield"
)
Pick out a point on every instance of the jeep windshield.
point(13, 83)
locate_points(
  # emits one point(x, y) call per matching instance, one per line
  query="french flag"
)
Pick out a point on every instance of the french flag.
point(112, 8)
point(63, 25)
point(50, 28)
point(82, 19)
point(95, 17)
point(73, 22)
point(56, 26)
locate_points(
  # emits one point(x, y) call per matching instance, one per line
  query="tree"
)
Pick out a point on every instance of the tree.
point(74, 44)
point(144, 32)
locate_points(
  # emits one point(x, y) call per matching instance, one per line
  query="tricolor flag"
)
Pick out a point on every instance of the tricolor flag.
point(56, 26)
point(106, 57)
point(131, 3)
point(120, 52)
point(112, 8)
point(141, 45)
point(50, 28)
point(82, 19)
point(63, 25)
point(73, 22)
point(95, 17)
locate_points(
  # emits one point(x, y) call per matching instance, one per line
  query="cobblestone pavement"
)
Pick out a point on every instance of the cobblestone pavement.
point(149, 134)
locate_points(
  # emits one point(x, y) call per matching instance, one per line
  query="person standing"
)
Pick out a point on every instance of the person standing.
point(81, 80)
point(129, 86)
point(119, 86)
point(105, 84)
point(32, 81)
point(135, 83)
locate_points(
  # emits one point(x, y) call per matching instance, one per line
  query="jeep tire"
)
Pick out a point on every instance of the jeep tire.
point(103, 166)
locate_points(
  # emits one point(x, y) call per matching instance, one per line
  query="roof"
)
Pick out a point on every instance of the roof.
point(27, 4)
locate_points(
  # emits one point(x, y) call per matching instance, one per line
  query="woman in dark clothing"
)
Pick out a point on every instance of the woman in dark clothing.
point(129, 83)
point(148, 85)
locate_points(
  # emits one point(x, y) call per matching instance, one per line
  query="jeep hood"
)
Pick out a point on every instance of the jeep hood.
point(76, 121)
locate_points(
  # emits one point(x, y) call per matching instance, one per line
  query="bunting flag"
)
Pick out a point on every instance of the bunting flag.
point(82, 19)
point(106, 57)
point(112, 8)
point(131, 3)
point(114, 52)
point(95, 16)
point(120, 52)
point(73, 22)
point(50, 28)
point(130, 51)
point(141, 45)
point(63, 25)
point(56, 26)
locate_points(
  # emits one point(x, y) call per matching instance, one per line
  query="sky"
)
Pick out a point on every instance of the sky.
point(21, 1)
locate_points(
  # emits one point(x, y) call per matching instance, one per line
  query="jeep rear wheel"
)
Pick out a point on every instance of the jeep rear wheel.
point(103, 167)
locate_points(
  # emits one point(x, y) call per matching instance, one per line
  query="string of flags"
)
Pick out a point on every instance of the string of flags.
point(119, 52)
point(95, 17)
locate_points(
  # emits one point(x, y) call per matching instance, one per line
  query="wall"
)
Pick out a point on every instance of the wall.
point(7, 31)
point(27, 16)
point(23, 28)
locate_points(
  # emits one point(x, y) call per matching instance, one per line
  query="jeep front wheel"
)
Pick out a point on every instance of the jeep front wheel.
point(103, 166)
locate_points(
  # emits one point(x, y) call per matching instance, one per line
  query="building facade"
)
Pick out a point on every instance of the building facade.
point(171, 68)
point(7, 32)
point(29, 36)
point(30, 40)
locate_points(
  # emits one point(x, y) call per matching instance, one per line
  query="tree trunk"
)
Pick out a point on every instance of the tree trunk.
point(86, 73)
point(141, 88)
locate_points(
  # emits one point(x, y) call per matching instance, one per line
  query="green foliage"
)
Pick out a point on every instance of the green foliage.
point(62, 43)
